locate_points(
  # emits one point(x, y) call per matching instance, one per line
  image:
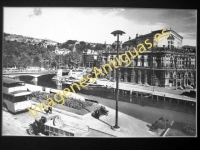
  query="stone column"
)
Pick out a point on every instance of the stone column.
point(145, 77)
point(136, 94)
point(119, 74)
point(130, 95)
point(164, 61)
point(139, 76)
point(153, 76)
point(185, 78)
point(125, 75)
point(109, 73)
point(132, 62)
point(173, 63)
point(162, 79)
point(114, 73)
point(132, 75)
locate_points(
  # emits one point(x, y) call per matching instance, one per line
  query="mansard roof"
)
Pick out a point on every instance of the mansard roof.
point(133, 41)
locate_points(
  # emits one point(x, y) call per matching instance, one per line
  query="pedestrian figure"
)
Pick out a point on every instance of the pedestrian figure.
point(43, 88)
point(167, 124)
point(154, 126)
point(162, 119)
point(49, 108)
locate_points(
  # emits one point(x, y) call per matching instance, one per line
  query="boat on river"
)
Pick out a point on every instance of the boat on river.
point(73, 76)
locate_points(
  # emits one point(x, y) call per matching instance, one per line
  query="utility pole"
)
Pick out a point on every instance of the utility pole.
point(118, 32)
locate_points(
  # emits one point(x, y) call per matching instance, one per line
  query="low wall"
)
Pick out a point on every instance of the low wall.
point(34, 88)
point(62, 112)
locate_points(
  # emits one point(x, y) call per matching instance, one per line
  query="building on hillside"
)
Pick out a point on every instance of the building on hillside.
point(62, 51)
point(91, 58)
point(167, 63)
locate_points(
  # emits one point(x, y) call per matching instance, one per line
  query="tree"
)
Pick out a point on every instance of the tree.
point(113, 45)
point(99, 47)
point(25, 61)
point(12, 61)
point(88, 46)
point(65, 45)
point(37, 61)
point(66, 59)
point(75, 59)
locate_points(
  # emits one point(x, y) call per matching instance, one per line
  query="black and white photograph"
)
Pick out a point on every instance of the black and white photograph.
point(105, 72)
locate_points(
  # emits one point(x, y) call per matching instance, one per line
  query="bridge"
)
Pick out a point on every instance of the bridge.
point(35, 74)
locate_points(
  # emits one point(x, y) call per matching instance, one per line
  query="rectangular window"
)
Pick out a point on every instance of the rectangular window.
point(47, 128)
point(56, 130)
point(5, 85)
point(51, 129)
point(66, 133)
point(9, 97)
point(61, 132)
point(71, 134)
point(20, 98)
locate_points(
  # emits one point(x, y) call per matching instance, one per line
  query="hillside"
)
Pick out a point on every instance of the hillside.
point(29, 40)
point(23, 51)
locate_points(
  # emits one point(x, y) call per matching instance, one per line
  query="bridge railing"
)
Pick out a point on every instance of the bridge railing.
point(13, 71)
point(24, 71)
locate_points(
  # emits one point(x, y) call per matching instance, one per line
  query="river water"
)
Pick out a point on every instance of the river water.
point(103, 92)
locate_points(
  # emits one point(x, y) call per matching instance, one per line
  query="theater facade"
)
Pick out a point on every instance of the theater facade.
point(167, 63)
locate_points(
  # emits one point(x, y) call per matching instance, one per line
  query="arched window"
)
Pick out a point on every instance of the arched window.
point(146, 61)
point(178, 62)
point(171, 74)
point(189, 74)
point(154, 62)
point(178, 75)
point(158, 61)
point(142, 61)
point(136, 61)
point(171, 62)
point(189, 62)
point(192, 62)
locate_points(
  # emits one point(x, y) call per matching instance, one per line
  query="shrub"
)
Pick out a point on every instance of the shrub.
point(190, 130)
point(69, 102)
point(161, 125)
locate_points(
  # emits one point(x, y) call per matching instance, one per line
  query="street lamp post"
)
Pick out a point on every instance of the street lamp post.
point(117, 32)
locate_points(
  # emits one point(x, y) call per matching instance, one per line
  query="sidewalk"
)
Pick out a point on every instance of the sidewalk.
point(130, 126)
point(160, 91)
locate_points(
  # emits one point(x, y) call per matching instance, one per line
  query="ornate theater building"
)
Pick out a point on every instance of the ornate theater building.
point(167, 63)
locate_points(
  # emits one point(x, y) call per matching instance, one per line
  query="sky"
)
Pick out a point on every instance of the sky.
point(96, 24)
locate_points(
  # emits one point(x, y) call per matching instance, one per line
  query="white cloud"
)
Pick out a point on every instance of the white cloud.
point(189, 42)
point(62, 24)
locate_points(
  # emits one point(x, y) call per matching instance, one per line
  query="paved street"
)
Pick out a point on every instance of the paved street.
point(17, 124)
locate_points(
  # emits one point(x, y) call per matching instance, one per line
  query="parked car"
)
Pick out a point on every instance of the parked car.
point(180, 87)
point(189, 87)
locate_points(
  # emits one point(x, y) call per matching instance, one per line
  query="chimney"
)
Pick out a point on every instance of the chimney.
point(136, 35)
